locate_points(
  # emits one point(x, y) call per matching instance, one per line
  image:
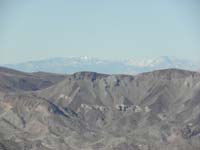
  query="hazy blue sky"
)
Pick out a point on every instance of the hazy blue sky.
point(36, 29)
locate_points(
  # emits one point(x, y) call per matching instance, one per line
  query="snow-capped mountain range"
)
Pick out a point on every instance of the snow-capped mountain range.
point(123, 66)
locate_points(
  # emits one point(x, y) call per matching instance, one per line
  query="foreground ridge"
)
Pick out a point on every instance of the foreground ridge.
point(157, 110)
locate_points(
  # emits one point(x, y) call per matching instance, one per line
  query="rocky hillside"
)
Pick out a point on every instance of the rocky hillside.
point(159, 110)
point(12, 80)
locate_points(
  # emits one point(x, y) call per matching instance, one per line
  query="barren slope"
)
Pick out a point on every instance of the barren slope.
point(12, 80)
point(158, 110)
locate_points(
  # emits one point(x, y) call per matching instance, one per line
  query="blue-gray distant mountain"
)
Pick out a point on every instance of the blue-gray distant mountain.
point(124, 66)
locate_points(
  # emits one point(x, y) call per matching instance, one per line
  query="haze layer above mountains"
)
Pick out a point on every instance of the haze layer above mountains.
point(125, 66)
point(158, 110)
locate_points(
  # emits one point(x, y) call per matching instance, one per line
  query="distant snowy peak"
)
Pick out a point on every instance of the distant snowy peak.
point(164, 61)
point(123, 66)
point(143, 62)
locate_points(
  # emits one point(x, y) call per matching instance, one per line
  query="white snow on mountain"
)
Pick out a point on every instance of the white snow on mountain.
point(165, 62)
point(123, 66)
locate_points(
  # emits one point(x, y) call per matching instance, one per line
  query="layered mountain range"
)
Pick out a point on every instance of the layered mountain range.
point(158, 110)
point(124, 66)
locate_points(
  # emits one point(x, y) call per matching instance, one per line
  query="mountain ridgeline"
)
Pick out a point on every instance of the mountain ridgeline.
point(157, 110)
point(124, 66)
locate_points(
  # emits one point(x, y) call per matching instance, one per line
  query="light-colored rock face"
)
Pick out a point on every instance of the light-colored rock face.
point(147, 109)
point(6, 106)
point(152, 111)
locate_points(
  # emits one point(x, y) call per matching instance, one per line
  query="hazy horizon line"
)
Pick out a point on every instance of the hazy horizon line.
point(102, 58)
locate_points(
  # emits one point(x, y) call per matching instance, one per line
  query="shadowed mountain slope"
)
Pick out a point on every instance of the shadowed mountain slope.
point(12, 80)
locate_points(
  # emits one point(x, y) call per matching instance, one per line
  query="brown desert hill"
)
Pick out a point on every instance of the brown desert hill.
point(12, 80)
point(158, 110)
